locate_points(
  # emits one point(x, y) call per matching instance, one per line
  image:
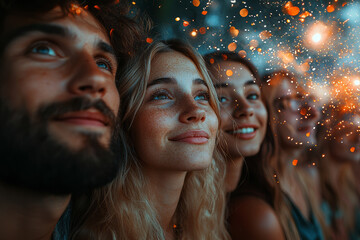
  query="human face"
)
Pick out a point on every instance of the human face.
point(243, 114)
point(296, 115)
point(58, 103)
point(345, 143)
point(175, 127)
point(51, 59)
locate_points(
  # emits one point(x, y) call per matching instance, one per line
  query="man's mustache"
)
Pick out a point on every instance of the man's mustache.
point(53, 110)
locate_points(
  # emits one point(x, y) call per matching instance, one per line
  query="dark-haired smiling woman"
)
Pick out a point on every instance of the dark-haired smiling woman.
point(171, 185)
point(243, 113)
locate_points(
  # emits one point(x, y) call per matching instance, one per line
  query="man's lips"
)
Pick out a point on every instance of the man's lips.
point(245, 132)
point(87, 118)
point(193, 137)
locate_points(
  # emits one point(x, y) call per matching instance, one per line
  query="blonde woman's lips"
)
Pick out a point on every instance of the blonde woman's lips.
point(192, 137)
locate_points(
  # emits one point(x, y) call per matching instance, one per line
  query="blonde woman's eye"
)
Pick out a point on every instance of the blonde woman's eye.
point(160, 95)
point(203, 96)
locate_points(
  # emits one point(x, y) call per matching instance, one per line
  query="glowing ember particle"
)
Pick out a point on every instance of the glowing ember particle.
point(212, 61)
point(133, 3)
point(313, 164)
point(290, 9)
point(286, 57)
point(316, 37)
point(330, 8)
point(229, 73)
point(78, 11)
point(303, 111)
point(196, 3)
point(242, 53)
point(293, 11)
point(193, 33)
point(204, 13)
point(186, 23)
point(265, 35)
point(111, 31)
point(323, 155)
point(177, 19)
point(294, 162)
point(259, 50)
point(244, 12)
point(234, 32)
point(254, 43)
point(149, 40)
point(202, 30)
point(232, 46)
point(344, 4)
point(308, 134)
point(174, 226)
point(97, 7)
point(224, 57)
point(86, 7)
point(352, 149)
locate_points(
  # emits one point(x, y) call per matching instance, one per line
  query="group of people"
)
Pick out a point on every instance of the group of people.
point(106, 136)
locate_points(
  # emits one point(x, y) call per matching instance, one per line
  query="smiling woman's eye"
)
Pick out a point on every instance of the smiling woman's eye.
point(253, 96)
point(105, 64)
point(43, 49)
point(202, 96)
point(223, 99)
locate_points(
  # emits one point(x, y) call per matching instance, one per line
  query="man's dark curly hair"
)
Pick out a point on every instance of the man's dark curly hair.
point(126, 34)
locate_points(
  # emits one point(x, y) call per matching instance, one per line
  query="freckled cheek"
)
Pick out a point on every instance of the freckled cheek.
point(225, 119)
point(213, 123)
point(151, 127)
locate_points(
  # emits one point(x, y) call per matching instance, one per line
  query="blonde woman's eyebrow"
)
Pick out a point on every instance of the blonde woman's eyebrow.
point(161, 81)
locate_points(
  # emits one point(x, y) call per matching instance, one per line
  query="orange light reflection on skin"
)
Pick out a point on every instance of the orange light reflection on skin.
point(229, 73)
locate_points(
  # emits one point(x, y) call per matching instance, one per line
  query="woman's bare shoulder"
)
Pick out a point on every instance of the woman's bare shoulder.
point(251, 217)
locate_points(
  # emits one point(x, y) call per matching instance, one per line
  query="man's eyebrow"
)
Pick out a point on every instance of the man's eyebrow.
point(50, 29)
point(161, 81)
point(106, 48)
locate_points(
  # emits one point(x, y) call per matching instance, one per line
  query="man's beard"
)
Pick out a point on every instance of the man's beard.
point(30, 157)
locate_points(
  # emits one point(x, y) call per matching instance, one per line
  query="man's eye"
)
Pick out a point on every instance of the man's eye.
point(160, 97)
point(43, 50)
point(203, 96)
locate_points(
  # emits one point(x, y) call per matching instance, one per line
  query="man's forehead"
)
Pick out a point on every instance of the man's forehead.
point(77, 22)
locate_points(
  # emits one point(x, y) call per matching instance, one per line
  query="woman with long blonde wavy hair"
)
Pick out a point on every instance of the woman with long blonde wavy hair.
point(171, 183)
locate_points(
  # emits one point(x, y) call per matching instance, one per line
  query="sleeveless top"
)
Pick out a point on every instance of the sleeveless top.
point(308, 230)
point(62, 229)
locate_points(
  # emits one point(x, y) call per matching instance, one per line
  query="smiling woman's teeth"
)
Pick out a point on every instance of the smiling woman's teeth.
point(244, 130)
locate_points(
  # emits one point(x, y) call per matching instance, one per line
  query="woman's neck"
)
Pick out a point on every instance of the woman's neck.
point(233, 173)
point(29, 215)
point(165, 189)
